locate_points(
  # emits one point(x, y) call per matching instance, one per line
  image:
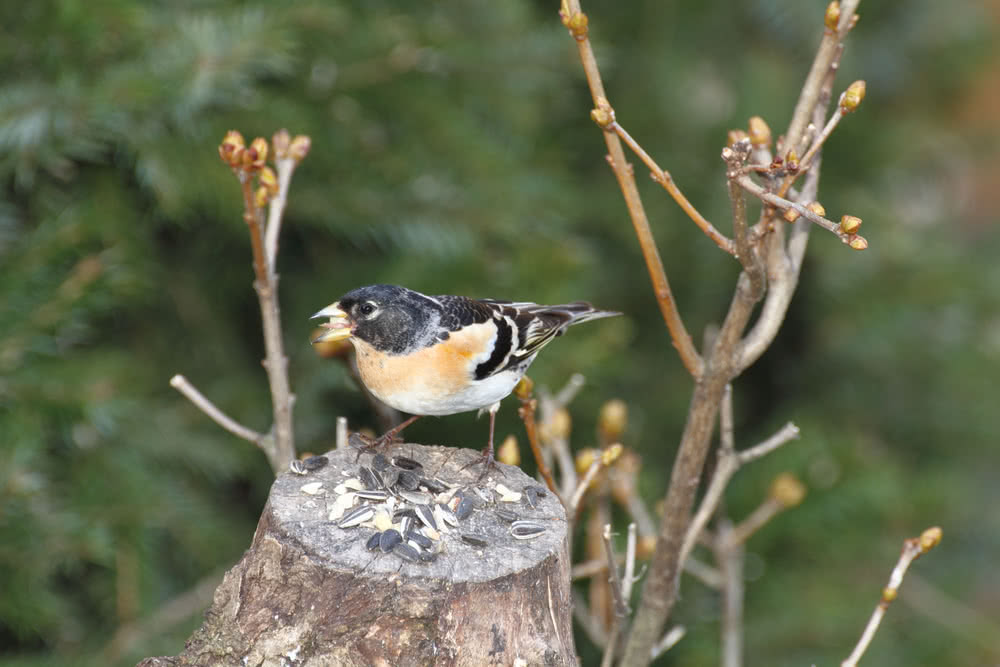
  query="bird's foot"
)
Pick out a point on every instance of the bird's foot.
point(488, 462)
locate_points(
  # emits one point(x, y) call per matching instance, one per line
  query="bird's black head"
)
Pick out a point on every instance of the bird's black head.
point(390, 318)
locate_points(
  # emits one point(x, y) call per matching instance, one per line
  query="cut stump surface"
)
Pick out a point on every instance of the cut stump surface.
point(309, 591)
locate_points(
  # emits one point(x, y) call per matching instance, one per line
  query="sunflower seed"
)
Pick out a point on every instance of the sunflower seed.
point(420, 539)
point(483, 495)
point(434, 486)
point(315, 462)
point(356, 516)
point(352, 483)
point(406, 552)
point(389, 477)
point(406, 463)
point(373, 541)
point(408, 480)
point(426, 516)
point(297, 467)
point(368, 478)
point(415, 497)
point(474, 540)
point(445, 515)
point(464, 509)
point(505, 515)
point(379, 462)
point(405, 524)
point(532, 494)
point(404, 512)
point(526, 530)
point(377, 494)
point(313, 488)
point(389, 539)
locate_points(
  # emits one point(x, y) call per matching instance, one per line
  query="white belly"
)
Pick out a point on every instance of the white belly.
point(479, 394)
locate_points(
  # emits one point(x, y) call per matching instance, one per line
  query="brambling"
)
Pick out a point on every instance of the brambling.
point(441, 355)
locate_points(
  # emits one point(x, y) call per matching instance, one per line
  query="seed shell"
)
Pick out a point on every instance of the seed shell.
point(526, 530)
point(475, 540)
point(356, 516)
point(406, 463)
point(389, 539)
point(315, 462)
point(406, 552)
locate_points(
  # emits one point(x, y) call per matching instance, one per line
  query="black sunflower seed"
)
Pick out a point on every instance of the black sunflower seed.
point(408, 480)
point(420, 539)
point(406, 552)
point(389, 539)
point(368, 478)
point(379, 462)
point(474, 540)
point(432, 485)
point(464, 508)
point(315, 462)
point(406, 463)
point(426, 516)
point(505, 515)
point(373, 542)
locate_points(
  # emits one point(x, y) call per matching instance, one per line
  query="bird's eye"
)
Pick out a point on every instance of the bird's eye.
point(367, 308)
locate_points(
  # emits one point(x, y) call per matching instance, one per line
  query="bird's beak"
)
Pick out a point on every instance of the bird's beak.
point(337, 328)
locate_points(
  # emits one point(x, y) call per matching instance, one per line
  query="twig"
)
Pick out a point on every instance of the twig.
point(276, 210)
point(576, 21)
point(581, 488)
point(527, 414)
point(729, 554)
point(735, 157)
point(628, 578)
point(181, 384)
point(729, 462)
point(747, 184)
point(663, 177)
point(621, 606)
point(913, 548)
point(569, 391)
point(669, 640)
point(341, 441)
point(766, 511)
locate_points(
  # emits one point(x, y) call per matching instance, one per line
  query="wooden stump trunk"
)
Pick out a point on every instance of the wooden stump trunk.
point(309, 592)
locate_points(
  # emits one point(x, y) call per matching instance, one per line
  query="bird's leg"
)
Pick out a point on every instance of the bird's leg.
point(387, 437)
point(487, 457)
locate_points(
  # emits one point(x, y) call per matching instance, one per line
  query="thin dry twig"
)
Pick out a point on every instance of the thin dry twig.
point(621, 606)
point(913, 548)
point(669, 640)
point(729, 555)
point(181, 384)
point(527, 414)
point(663, 177)
point(576, 21)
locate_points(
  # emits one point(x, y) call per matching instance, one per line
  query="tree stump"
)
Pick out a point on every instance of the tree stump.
point(309, 591)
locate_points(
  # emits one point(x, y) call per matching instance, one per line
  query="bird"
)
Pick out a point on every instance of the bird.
point(442, 355)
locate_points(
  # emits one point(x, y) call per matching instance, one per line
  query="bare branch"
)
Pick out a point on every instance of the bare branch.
point(913, 548)
point(669, 640)
point(181, 384)
point(276, 210)
point(663, 177)
point(730, 556)
point(576, 21)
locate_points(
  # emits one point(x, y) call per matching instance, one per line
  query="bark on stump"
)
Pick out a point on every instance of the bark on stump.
point(308, 593)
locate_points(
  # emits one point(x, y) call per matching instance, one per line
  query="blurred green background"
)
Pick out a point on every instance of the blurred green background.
point(453, 152)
